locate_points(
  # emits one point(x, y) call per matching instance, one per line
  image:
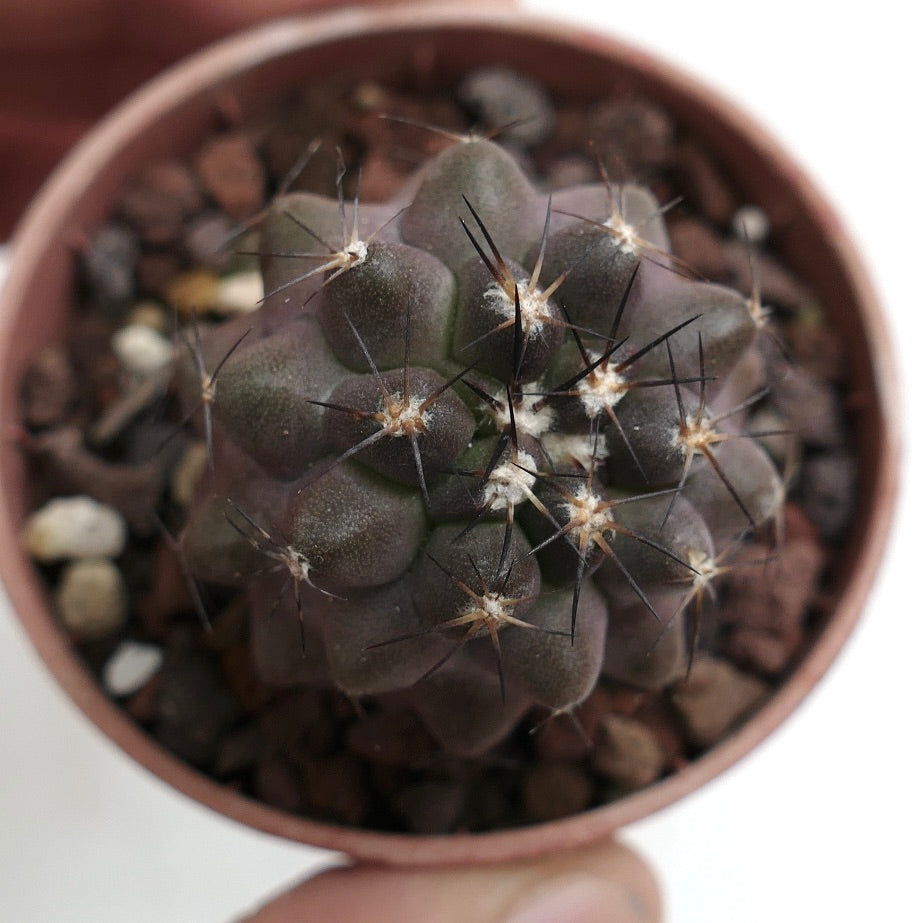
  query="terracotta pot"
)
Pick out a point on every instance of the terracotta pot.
point(172, 114)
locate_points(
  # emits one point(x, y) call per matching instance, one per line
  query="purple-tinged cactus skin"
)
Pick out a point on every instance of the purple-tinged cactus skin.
point(466, 453)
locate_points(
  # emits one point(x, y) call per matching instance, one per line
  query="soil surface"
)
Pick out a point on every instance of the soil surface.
point(101, 421)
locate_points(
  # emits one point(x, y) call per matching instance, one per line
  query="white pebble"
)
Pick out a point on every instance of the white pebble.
point(751, 223)
point(148, 314)
point(130, 667)
point(74, 527)
point(187, 473)
point(141, 349)
point(91, 598)
point(239, 293)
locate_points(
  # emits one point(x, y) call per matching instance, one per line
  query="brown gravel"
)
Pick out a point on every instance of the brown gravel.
point(233, 175)
point(160, 199)
point(553, 790)
point(49, 389)
point(715, 698)
point(628, 753)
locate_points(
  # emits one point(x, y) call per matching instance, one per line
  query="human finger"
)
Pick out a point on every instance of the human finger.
point(604, 883)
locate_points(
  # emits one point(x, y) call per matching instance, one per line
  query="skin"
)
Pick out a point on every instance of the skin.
point(63, 63)
point(606, 883)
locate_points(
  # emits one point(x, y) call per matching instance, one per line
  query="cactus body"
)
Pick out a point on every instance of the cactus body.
point(481, 463)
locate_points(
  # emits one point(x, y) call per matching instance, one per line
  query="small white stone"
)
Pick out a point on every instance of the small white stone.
point(149, 314)
point(141, 349)
point(130, 667)
point(751, 223)
point(74, 527)
point(239, 293)
point(91, 598)
point(188, 472)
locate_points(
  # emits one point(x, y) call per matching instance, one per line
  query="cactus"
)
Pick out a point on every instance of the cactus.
point(478, 446)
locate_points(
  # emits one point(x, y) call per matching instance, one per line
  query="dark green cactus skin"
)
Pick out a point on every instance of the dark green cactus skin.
point(469, 458)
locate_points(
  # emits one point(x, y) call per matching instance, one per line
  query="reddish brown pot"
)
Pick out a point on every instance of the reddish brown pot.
point(172, 114)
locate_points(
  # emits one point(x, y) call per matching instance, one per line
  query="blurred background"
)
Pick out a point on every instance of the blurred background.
point(823, 820)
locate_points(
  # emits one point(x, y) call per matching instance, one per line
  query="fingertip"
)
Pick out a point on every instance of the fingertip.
point(604, 883)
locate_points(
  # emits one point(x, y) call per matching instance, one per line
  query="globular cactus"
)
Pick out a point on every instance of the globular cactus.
point(478, 447)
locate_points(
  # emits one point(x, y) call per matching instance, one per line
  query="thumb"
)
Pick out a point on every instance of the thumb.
point(605, 883)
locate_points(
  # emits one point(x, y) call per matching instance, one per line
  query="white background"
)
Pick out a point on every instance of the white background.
point(823, 822)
